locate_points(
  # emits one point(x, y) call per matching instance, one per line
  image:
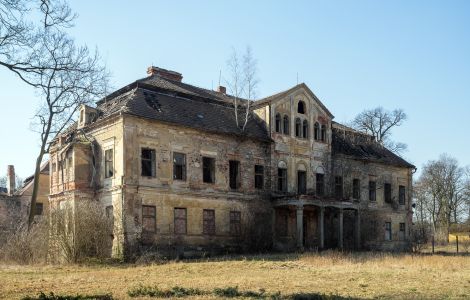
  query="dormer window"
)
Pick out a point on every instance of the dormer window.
point(301, 107)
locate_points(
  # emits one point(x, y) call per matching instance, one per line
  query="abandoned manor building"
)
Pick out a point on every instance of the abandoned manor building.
point(171, 169)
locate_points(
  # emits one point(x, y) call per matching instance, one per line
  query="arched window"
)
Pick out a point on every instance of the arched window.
point(323, 133)
point(316, 131)
point(278, 122)
point(286, 125)
point(298, 128)
point(301, 107)
point(305, 129)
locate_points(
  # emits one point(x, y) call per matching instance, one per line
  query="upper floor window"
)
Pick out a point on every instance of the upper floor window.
point(301, 182)
point(179, 166)
point(320, 184)
point(282, 179)
point(278, 122)
point(401, 234)
point(387, 192)
point(338, 187)
point(301, 107)
point(305, 129)
point(285, 125)
point(356, 189)
point(234, 170)
point(148, 162)
point(316, 131)
point(401, 195)
point(108, 163)
point(259, 176)
point(208, 169)
point(298, 128)
point(372, 190)
point(323, 133)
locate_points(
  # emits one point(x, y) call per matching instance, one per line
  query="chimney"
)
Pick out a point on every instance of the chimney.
point(222, 89)
point(11, 180)
point(167, 74)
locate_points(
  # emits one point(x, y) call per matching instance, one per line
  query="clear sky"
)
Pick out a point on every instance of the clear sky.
point(354, 55)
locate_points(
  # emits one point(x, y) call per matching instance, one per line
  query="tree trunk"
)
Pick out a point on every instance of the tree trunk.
point(37, 172)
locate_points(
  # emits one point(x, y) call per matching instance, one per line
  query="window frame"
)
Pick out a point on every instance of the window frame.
point(301, 104)
point(320, 184)
point(356, 193)
point(177, 165)
point(208, 165)
point(388, 231)
point(208, 222)
point(286, 125)
point(147, 216)
point(108, 163)
point(235, 223)
point(301, 190)
point(305, 129)
point(372, 191)
point(387, 192)
point(259, 177)
point(323, 133)
point(152, 161)
point(177, 218)
point(234, 174)
point(282, 180)
point(298, 128)
point(278, 123)
point(316, 131)
point(339, 189)
point(401, 195)
point(402, 231)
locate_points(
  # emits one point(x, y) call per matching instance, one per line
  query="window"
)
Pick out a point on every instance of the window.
point(320, 178)
point(301, 107)
point(323, 133)
point(282, 222)
point(316, 131)
point(148, 162)
point(401, 234)
point(388, 231)
point(180, 220)
point(39, 209)
point(285, 124)
point(208, 217)
point(208, 169)
point(259, 176)
point(234, 170)
point(401, 195)
point(109, 212)
point(338, 187)
point(278, 122)
point(298, 128)
point(356, 189)
point(149, 223)
point(282, 179)
point(387, 192)
point(301, 182)
point(305, 129)
point(235, 223)
point(372, 189)
point(179, 166)
point(108, 163)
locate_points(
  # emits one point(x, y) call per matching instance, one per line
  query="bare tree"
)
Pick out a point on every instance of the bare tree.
point(242, 84)
point(42, 54)
point(379, 123)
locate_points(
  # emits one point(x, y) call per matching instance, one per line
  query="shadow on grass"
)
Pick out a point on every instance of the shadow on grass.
point(52, 296)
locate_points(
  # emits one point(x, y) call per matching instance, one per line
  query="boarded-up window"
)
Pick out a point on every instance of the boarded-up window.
point(320, 185)
point(39, 209)
point(356, 189)
point(301, 182)
point(208, 169)
point(282, 179)
point(401, 234)
point(388, 231)
point(208, 217)
point(108, 163)
point(338, 187)
point(179, 166)
point(259, 176)
point(148, 162)
point(401, 195)
point(372, 191)
point(387, 192)
point(234, 170)
point(180, 221)
point(235, 223)
point(149, 223)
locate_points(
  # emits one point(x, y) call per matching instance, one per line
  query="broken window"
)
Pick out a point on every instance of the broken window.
point(372, 191)
point(323, 133)
point(208, 169)
point(108, 163)
point(387, 192)
point(305, 129)
point(301, 107)
point(316, 131)
point(234, 170)
point(301, 182)
point(208, 216)
point(388, 231)
point(298, 128)
point(320, 184)
point(148, 162)
point(235, 223)
point(338, 187)
point(401, 234)
point(180, 220)
point(282, 179)
point(401, 195)
point(278, 122)
point(259, 177)
point(285, 124)
point(149, 223)
point(179, 166)
point(39, 209)
point(356, 189)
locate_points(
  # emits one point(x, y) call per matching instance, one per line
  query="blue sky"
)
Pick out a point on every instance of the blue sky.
point(354, 55)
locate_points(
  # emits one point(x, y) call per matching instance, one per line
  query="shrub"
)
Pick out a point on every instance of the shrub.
point(52, 296)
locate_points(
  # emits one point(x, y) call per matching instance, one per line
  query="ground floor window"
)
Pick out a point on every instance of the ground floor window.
point(402, 232)
point(388, 231)
point(180, 220)
point(235, 223)
point(149, 223)
point(208, 216)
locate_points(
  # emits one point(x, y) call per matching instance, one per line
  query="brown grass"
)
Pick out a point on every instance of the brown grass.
point(360, 275)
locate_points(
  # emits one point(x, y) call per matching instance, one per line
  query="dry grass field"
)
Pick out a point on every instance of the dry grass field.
point(357, 276)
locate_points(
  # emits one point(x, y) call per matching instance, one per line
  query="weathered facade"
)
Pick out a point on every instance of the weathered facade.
point(168, 163)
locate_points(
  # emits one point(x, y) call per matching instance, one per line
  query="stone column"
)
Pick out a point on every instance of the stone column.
point(358, 230)
point(340, 233)
point(300, 227)
point(322, 229)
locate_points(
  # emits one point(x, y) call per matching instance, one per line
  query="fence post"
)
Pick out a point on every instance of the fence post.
point(457, 242)
point(432, 244)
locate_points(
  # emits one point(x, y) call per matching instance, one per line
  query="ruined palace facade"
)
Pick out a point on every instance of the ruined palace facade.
point(172, 169)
